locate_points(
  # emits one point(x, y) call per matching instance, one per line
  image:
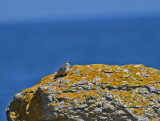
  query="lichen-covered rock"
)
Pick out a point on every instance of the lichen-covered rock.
point(91, 92)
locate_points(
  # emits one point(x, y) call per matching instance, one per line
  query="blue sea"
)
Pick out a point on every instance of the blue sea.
point(30, 51)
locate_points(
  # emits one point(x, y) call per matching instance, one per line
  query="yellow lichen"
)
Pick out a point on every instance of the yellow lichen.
point(94, 74)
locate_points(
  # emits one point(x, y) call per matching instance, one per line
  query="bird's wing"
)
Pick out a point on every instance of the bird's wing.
point(62, 68)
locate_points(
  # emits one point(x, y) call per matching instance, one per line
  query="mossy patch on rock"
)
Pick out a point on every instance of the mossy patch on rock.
point(91, 92)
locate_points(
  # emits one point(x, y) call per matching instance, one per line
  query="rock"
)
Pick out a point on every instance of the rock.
point(89, 93)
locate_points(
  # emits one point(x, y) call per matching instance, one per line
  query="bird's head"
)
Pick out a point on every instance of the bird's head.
point(67, 62)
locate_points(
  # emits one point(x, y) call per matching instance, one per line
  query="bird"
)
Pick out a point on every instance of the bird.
point(63, 70)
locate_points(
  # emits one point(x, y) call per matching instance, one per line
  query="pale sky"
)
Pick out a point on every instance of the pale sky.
point(26, 10)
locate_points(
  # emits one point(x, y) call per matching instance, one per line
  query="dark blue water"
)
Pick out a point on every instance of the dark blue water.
point(29, 52)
